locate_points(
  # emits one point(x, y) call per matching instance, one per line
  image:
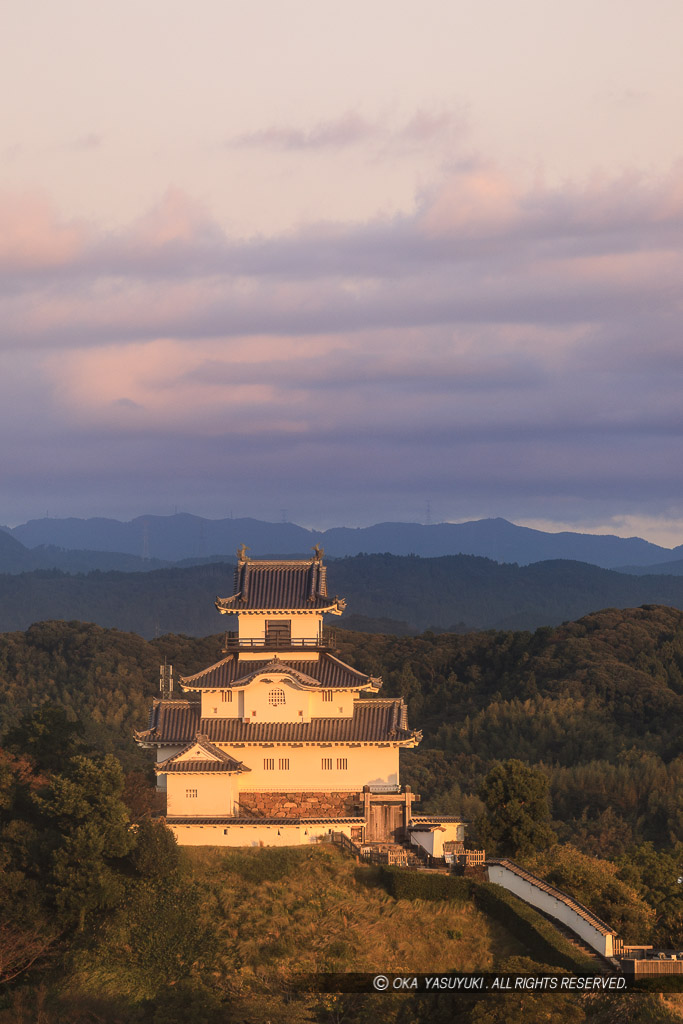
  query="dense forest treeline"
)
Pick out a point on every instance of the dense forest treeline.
point(97, 895)
point(385, 593)
point(598, 703)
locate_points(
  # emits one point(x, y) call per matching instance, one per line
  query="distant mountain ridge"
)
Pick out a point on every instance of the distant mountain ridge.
point(385, 593)
point(15, 557)
point(171, 539)
point(674, 568)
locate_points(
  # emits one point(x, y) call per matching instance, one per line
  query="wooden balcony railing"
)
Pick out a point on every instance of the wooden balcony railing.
point(232, 642)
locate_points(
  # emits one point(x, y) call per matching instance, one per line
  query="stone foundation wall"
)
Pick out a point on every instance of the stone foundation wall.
point(300, 805)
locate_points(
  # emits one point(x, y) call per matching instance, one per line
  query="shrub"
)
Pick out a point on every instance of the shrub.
point(418, 885)
point(155, 854)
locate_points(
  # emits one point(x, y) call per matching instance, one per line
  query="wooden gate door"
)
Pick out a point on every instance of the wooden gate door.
point(386, 823)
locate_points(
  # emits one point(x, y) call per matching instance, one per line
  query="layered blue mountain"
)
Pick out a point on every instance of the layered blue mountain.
point(187, 537)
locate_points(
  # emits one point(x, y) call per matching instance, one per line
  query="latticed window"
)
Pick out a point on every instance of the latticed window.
point(226, 696)
point(276, 696)
point(327, 695)
point(342, 764)
point(283, 764)
point(190, 794)
point(327, 764)
point(269, 764)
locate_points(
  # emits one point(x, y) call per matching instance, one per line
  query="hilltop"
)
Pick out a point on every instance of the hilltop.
point(385, 593)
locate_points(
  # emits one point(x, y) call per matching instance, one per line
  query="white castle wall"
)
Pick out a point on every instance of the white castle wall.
point(254, 835)
point(553, 905)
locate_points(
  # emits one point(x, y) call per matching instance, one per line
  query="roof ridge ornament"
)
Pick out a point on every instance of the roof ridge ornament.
point(319, 552)
point(242, 555)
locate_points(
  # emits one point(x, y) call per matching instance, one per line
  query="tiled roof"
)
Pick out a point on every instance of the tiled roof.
point(561, 897)
point(326, 673)
point(437, 819)
point(215, 759)
point(286, 584)
point(373, 721)
point(176, 720)
point(265, 821)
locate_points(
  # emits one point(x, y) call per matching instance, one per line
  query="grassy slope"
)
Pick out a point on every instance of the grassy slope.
point(318, 911)
point(278, 912)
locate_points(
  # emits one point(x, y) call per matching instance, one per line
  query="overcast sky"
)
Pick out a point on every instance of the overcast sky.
point(343, 260)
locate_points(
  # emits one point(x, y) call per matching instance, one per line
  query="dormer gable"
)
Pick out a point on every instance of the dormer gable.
point(281, 670)
point(201, 756)
point(326, 673)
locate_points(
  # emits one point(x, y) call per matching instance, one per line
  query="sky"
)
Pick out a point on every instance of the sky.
point(343, 264)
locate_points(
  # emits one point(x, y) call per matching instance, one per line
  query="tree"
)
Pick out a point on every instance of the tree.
point(21, 948)
point(517, 817)
point(597, 885)
point(88, 830)
point(47, 736)
point(155, 854)
point(656, 876)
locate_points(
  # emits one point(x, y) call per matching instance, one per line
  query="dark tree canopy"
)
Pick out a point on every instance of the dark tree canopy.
point(517, 819)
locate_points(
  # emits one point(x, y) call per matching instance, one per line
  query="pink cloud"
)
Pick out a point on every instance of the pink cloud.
point(32, 237)
point(473, 201)
point(176, 218)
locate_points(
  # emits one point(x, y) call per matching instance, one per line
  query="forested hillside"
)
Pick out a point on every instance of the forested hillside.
point(598, 702)
point(120, 930)
point(385, 593)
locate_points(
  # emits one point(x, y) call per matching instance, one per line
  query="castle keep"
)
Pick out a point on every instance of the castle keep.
point(280, 742)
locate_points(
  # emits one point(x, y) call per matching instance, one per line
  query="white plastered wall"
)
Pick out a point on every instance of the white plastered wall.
point(215, 793)
point(366, 765)
point(433, 841)
point(252, 702)
point(161, 754)
point(305, 625)
point(255, 835)
point(423, 839)
point(553, 906)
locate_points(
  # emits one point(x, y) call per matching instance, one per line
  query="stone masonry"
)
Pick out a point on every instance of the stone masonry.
point(300, 805)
